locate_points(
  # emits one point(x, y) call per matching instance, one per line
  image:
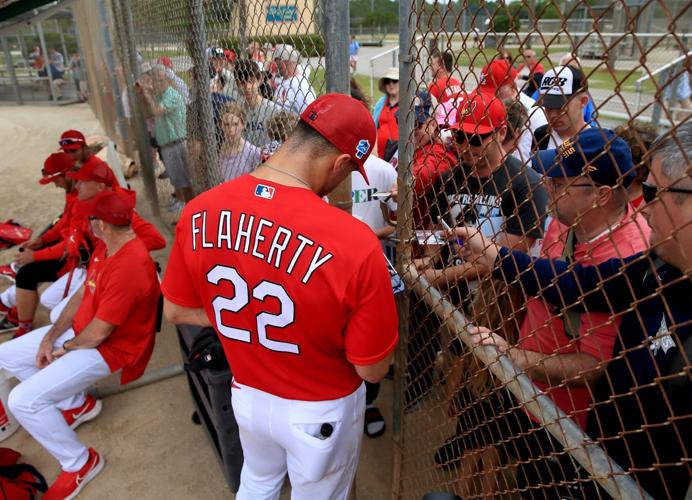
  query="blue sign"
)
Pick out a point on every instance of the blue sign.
point(282, 14)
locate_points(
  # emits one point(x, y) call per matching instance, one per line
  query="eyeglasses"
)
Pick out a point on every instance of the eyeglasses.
point(387, 81)
point(474, 139)
point(92, 218)
point(649, 191)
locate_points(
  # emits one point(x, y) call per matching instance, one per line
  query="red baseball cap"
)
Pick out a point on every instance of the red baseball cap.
point(55, 165)
point(480, 113)
point(230, 55)
point(72, 140)
point(165, 61)
point(496, 74)
point(95, 169)
point(113, 207)
point(346, 123)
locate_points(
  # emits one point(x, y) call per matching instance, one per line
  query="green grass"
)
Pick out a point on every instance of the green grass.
point(319, 84)
point(598, 78)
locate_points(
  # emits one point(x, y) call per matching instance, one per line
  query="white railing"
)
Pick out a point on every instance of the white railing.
point(665, 67)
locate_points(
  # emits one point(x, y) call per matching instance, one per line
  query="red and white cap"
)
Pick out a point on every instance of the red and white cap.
point(72, 140)
point(113, 207)
point(56, 165)
point(481, 113)
point(497, 74)
point(95, 169)
point(346, 123)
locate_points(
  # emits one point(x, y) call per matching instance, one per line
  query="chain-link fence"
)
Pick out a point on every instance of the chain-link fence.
point(514, 377)
point(544, 378)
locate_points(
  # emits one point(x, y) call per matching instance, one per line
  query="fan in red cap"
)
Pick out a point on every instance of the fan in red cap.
point(300, 295)
point(499, 78)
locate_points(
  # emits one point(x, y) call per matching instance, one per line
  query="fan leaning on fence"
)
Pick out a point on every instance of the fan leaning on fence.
point(642, 404)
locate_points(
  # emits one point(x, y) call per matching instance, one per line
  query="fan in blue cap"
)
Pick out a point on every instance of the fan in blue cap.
point(596, 153)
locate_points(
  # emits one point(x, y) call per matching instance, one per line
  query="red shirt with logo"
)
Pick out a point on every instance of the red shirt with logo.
point(445, 88)
point(297, 290)
point(543, 330)
point(123, 290)
point(387, 127)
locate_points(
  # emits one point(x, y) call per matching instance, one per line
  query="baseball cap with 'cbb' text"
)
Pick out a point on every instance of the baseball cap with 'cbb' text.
point(95, 169)
point(595, 153)
point(56, 165)
point(346, 123)
point(72, 140)
point(559, 85)
point(480, 113)
point(112, 207)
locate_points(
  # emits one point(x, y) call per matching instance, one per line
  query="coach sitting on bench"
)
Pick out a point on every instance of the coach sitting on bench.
point(108, 325)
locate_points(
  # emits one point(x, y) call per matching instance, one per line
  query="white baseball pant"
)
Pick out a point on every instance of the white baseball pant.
point(55, 293)
point(9, 296)
point(52, 295)
point(36, 402)
point(282, 436)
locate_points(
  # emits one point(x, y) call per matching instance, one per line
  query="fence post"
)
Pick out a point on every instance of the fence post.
point(201, 105)
point(121, 126)
point(131, 72)
point(336, 32)
point(404, 228)
point(62, 40)
point(663, 80)
point(10, 67)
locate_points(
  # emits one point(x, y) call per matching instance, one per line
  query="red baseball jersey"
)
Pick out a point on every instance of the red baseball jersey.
point(122, 290)
point(297, 290)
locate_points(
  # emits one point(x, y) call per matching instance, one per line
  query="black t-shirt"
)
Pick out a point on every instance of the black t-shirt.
point(511, 200)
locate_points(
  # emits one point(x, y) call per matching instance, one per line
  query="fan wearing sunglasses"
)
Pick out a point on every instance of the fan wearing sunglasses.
point(489, 189)
point(641, 404)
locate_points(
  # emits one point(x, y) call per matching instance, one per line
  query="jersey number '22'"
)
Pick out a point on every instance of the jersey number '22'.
point(242, 298)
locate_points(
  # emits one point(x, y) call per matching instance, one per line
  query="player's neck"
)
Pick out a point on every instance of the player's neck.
point(117, 240)
point(282, 172)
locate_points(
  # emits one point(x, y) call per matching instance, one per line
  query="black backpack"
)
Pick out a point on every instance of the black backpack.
point(206, 352)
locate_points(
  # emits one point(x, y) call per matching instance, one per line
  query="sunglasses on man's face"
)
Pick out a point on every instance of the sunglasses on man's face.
point(473, 139)
point(650, 192)
point(92, 218)
point(387, 81)
point(68, 141)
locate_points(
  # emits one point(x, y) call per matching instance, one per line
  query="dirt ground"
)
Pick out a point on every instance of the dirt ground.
point(151, 448)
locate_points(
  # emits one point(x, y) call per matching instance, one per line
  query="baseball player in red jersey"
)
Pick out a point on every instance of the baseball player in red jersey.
point(300, 296)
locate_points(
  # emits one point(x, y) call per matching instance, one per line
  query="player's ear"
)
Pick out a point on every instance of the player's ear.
point(343, 165)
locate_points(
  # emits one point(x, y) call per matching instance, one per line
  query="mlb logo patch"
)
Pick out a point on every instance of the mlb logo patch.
point(362, 148)
point(264, 191)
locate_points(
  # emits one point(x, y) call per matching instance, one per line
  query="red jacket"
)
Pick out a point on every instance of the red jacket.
point(429, 162)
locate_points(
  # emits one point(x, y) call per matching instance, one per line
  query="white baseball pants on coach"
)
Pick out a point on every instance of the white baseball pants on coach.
point(280, 436)
point(53, 295)
point(56, 291)
point(36, 402)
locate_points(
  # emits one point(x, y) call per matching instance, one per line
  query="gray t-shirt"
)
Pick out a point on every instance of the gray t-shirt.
point(243, 162)
point(257, 118)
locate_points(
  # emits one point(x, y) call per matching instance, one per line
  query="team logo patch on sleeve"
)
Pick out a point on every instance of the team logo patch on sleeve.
point(264, 191)
point(362, 148)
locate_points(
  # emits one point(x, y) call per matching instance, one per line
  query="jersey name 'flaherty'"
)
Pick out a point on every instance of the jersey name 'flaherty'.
point(297, 290)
